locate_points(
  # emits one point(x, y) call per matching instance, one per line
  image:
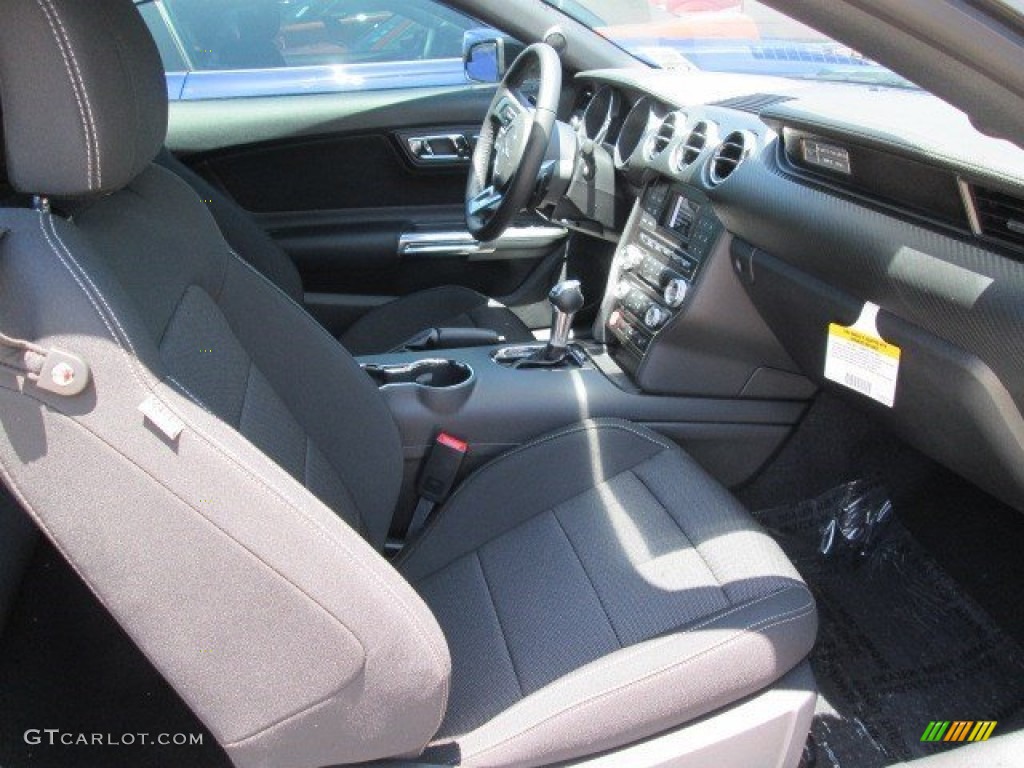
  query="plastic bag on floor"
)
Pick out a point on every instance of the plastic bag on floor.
point(845, 523)
point(859, 515)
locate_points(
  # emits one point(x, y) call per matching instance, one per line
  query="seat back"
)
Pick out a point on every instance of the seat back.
point(240, 230)
point(211, 481)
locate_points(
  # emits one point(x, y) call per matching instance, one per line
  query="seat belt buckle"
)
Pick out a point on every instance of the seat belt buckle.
point(436, 479)
point(441, 467)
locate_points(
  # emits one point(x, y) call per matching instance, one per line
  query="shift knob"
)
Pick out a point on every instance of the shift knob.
point(566, 300)
point(567, 297)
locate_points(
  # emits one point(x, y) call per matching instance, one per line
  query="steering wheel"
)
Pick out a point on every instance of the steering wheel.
point(513, 141)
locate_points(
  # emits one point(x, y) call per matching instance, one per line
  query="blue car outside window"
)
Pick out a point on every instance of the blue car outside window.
point(243, 48)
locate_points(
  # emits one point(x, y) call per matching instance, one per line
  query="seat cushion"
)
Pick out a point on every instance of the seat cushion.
point(618, 593)
point(384, 328)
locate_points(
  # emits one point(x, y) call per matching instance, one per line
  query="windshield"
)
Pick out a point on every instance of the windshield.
point(1015, 5)
point(739, 36)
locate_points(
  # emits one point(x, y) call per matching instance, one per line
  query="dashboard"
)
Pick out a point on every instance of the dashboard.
point(756, 216)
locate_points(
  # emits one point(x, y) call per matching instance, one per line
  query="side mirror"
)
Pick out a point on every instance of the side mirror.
point(487, 54)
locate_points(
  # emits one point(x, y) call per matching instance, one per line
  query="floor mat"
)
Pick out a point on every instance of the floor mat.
point(977, 539)
point(900, 645)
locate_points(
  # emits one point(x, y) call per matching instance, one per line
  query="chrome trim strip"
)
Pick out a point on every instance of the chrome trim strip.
point(456, 243)
point(967, 196)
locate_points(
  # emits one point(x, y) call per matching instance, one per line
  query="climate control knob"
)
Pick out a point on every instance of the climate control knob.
point(675, 292)
point(633, 256)
point(655, 317)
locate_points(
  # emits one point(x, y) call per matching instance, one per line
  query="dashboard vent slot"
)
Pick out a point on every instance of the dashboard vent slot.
point(728, 156)
point(694, 145)
point(805, 53)
point(753, 102)
point(1000, 216)
point(661, 140)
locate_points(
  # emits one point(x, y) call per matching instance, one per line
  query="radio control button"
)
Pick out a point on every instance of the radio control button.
point(632, 256)
point(675, 292)
point(655, 317)
point(651, 271)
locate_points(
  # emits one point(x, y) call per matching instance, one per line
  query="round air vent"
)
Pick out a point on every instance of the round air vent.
point(691, 148)
point(600, 114)
point(728, 156)
point(659, 142)
point(632, 132)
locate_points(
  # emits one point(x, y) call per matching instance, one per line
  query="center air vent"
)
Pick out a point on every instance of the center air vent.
point(666, 132)
point(690, 149)
point(728, 156)
point(1000, 216)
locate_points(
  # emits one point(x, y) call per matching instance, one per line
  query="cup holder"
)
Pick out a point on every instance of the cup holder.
point(440, 385)
point(436, 374)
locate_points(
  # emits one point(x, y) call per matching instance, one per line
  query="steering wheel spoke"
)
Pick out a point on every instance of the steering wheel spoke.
point(485, 201)
point(507, 110)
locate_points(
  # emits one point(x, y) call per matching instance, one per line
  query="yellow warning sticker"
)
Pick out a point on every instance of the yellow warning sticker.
point(857, 357)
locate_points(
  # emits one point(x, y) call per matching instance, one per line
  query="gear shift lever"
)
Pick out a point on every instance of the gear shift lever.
point(566, 300)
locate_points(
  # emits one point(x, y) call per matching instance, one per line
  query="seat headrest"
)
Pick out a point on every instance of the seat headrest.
point(83, 93)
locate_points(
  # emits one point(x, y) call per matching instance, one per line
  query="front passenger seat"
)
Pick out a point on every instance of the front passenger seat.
point(222, 475)
point(383, 328)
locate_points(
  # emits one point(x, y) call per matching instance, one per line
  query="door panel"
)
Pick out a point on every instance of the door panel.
point(380, 251)
point(339, 172)
point(365, 211)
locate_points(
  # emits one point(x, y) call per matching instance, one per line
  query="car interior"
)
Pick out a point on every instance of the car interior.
point(589, 412)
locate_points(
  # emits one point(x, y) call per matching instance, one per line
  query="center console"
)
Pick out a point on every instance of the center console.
point(494, 407)
point(677, 346)
point(667, 241)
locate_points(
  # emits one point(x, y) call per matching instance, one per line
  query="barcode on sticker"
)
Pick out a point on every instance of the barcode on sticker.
point(856, 382)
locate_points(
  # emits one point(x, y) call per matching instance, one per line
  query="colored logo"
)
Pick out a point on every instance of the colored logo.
point(958, 730)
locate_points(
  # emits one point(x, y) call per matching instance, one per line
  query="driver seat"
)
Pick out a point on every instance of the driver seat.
point(221, 473)
point(382, 328)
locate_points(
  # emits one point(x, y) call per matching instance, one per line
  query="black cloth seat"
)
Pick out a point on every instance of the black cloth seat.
point(225, 479)
point(618, 593)
point(382, 328)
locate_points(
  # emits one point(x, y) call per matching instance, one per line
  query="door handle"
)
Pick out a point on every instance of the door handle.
point(440, 148)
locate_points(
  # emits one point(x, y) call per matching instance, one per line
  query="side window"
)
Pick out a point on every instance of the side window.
point(170, 51)
point(300, 46)
point(362, 31)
